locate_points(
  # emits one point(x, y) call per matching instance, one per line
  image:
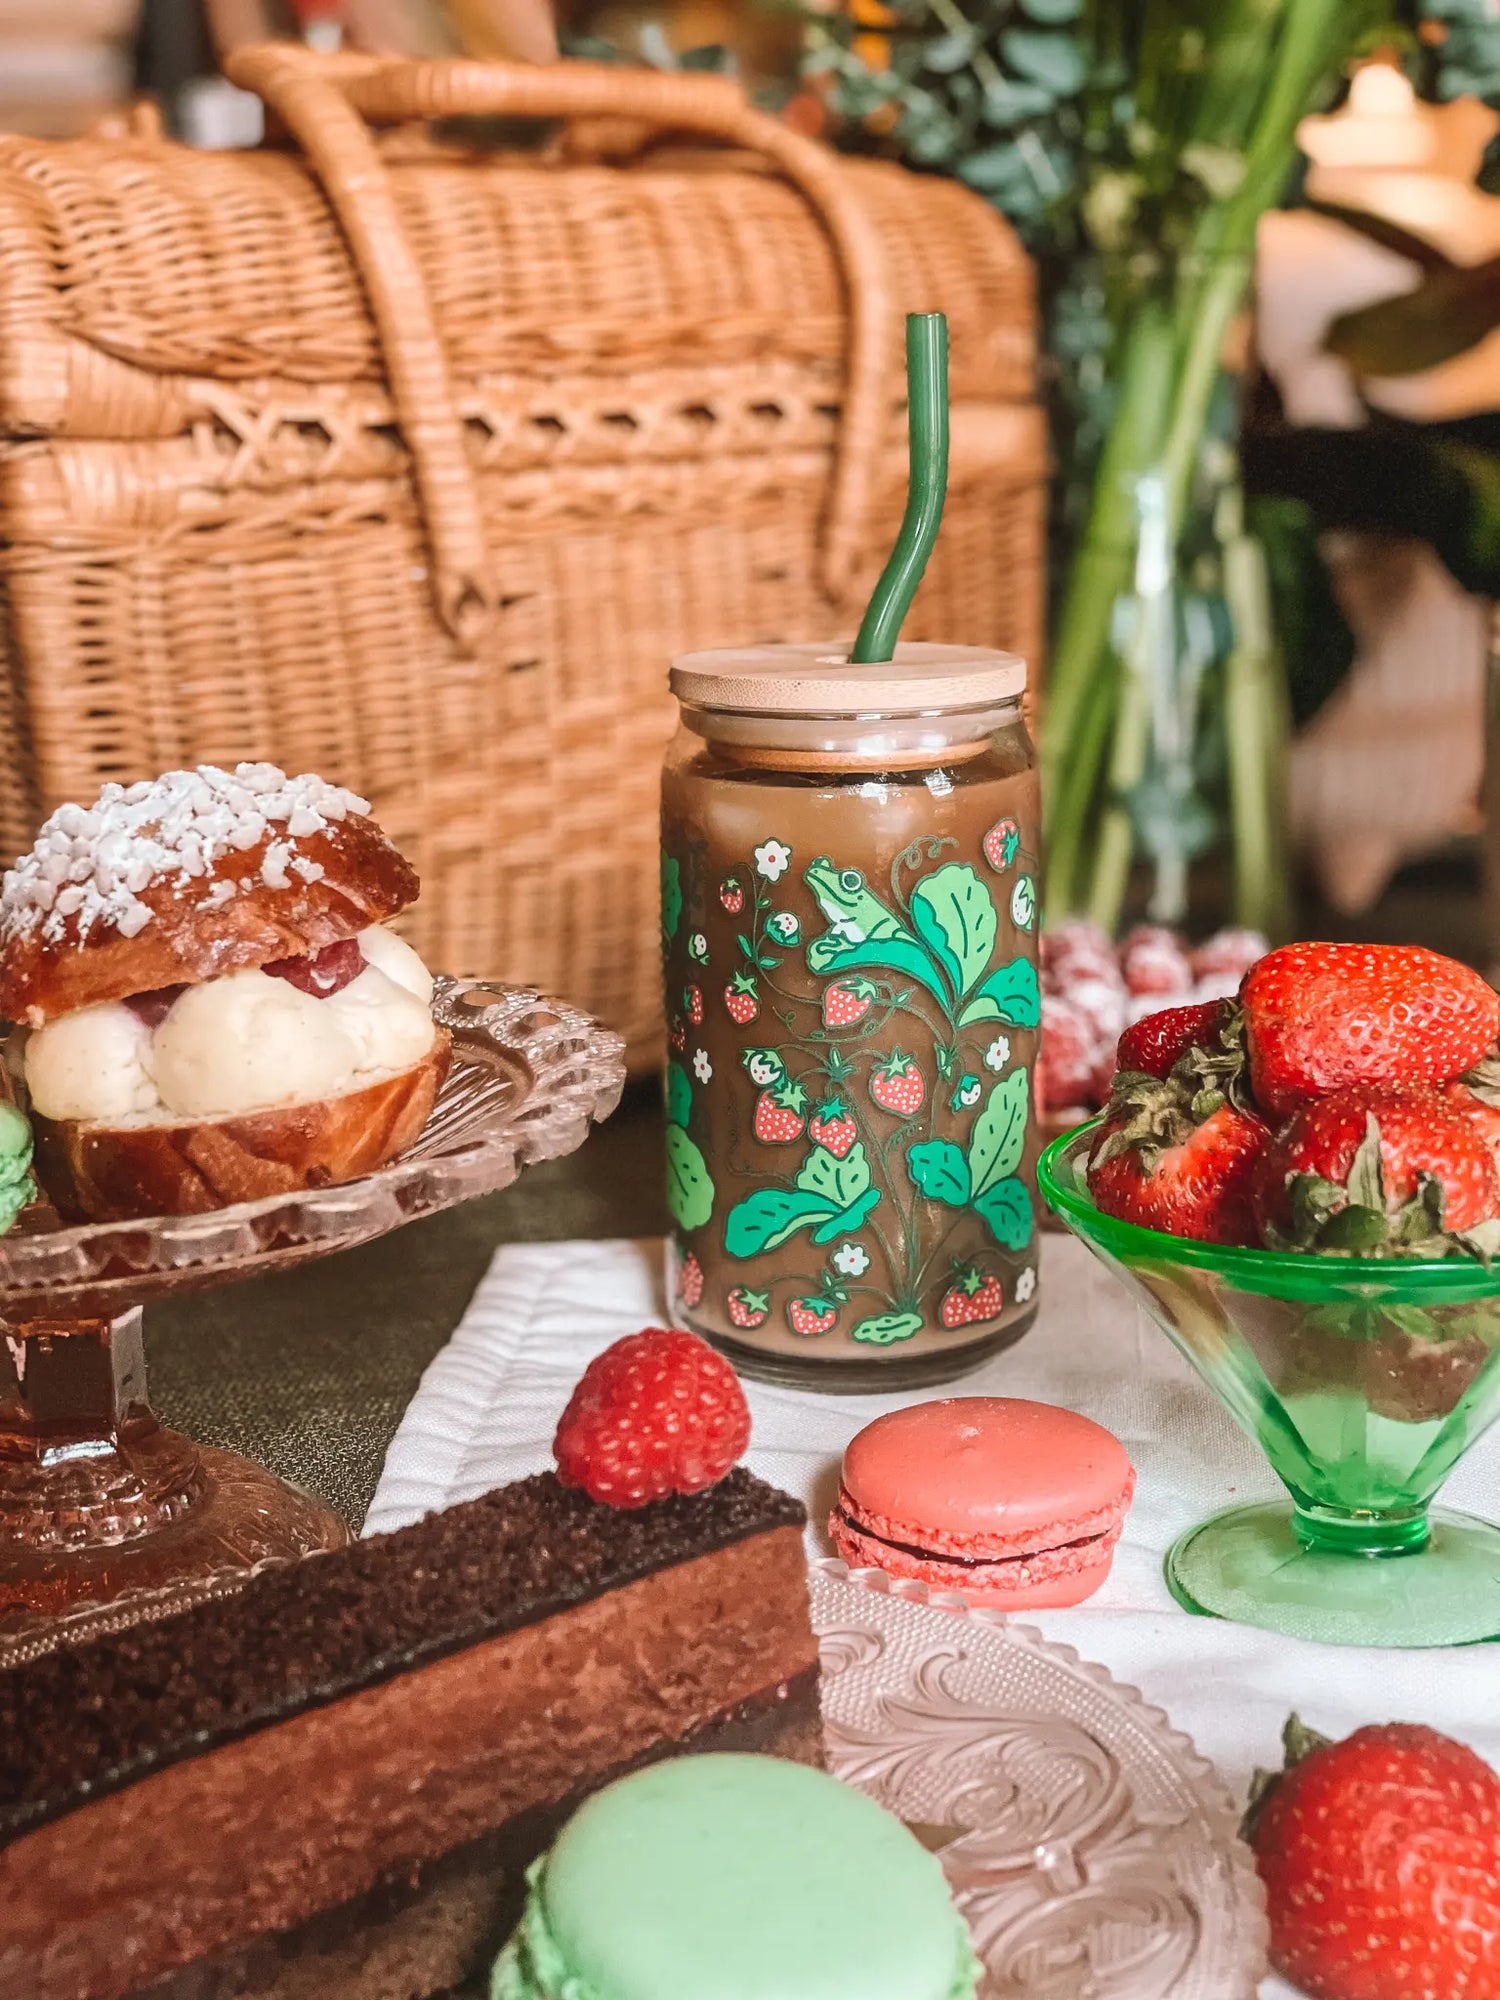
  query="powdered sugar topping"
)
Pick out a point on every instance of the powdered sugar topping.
point(93, 863)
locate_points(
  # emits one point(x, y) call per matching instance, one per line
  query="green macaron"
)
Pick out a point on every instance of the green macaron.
point(16, 1185)
point(736, 1878)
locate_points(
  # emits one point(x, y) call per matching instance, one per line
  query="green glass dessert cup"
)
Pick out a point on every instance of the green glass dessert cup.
point(1363, 1380)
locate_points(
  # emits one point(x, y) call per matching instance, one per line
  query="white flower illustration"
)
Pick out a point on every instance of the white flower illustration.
point(850, 1261)
point(997, 1055)
point(703, 1069)
point(772, 859)
point(1025, 1285)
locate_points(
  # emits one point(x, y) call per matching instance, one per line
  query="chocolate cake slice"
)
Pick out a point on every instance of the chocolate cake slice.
point(327, 1786)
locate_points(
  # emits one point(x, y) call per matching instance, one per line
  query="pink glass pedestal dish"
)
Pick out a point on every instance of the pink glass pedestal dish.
point(107, 1517)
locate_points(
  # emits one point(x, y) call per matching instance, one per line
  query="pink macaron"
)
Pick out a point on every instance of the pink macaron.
point(1014, 1504)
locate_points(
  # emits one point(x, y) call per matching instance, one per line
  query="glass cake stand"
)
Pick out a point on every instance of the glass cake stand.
point(107, 1517)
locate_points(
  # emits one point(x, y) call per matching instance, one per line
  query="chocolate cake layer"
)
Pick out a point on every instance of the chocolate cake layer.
point(275, 1757)
point(86, 1719)
point(429, 1935)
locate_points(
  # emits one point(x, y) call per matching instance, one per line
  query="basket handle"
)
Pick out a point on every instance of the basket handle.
point(329, 101)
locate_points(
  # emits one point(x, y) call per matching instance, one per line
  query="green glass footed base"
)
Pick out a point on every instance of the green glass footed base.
point(1435, 1582)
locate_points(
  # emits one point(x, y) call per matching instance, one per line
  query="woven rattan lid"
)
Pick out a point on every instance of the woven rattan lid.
point(817, 680)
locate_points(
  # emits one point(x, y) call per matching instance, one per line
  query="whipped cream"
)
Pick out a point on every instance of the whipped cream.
point(241, 1043)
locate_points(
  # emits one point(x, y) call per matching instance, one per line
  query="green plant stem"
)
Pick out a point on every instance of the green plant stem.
point(1256, 727)
point(1170, 361)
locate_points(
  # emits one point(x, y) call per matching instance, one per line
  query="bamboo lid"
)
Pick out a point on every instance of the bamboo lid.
point(817, 680)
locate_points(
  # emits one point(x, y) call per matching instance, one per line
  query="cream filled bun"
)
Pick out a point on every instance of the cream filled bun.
point(210, 1006)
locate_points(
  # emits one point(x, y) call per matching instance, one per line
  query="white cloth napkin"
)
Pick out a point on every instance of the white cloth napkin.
point(487, 1408)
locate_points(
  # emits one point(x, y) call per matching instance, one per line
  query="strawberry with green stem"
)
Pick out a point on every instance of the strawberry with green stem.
point(742, 999)
point(747, 1309)
point(816, 1313)
point(780, 1114)
point(972, 1297)
point(896, 1085)
point(832, 1128)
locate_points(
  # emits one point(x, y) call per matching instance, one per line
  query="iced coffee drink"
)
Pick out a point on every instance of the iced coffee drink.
point(849, 909)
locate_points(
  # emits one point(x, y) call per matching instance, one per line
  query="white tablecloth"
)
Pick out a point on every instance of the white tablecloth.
point(488, 1405)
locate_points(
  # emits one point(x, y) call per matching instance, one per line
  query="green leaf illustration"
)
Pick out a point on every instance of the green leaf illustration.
point(838, 1183)
point(679, 1094)
point(955, 915)
point(847, 1219)
point(690, 1191)
point(940, 1171)
point(864, 931)
point(906, 955)
point(671, 895)
point(1010, 994)
point(882, 1329)
point(770, 1216)
point(999, 1136)
point(1006, 1208)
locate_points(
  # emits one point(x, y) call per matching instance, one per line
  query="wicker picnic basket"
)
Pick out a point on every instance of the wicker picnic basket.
point(411, 463)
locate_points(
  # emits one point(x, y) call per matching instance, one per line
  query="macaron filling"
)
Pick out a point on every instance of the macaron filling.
point(847, 1518)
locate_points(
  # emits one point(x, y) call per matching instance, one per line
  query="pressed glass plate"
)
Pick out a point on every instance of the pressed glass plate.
point(106, 1517)
point(1092, 1850)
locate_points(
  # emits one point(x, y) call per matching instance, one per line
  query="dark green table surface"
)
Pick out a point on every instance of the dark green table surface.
point(309, 1372)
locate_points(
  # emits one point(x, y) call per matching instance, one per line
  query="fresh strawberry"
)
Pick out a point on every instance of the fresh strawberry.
point(1482, 1109)
point(1378, 1856)
point(742, 999)
point(732, 895)
point(846, 1001)
point(692, 1001)
point(971, 1298)
point(832, 1128)
point(896, 1085)
point(1320, 1016)
point(781, 1114)
point(1181, 1162)
point(1001, 843)
point(811, 1316)
point(1376, 1169)
point(1156, 1042)
point(746, 1308)
point(689, 1280)
point(656, 1413)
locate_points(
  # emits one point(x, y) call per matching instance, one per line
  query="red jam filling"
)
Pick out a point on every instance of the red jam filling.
point(322, 973)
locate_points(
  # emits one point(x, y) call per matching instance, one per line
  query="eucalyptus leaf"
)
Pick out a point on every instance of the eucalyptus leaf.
point(999, 1136)
point(939, 1171)
point(690, 1190)
point(946, 53)
point(1008, 103)
point(1007, 1212)
point(1051, 59)
point(995, 170)
point(769, 1216)
point(883, 1329)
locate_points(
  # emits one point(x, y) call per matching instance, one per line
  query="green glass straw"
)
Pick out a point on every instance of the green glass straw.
point(927, 487)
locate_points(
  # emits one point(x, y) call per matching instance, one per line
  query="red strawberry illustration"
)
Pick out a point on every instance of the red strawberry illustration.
point(971, 1298)
point(832, 1128)
point(1000, 844)
point(742, 998)
point(692, 1000)
point(677, 1034)
point(847, 1001)
point(732, 895)
point(689, 1280)
point(896, 1085)
point(781, 1114)
point(747, 1308)
point(812, 1316)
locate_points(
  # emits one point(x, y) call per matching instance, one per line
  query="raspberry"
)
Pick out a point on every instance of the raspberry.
point(1227, 956)
point(654, 1414)
point(1153, 960)
point(1069, 1056)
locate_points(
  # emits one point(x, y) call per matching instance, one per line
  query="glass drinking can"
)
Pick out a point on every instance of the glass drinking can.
point(849, 912)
